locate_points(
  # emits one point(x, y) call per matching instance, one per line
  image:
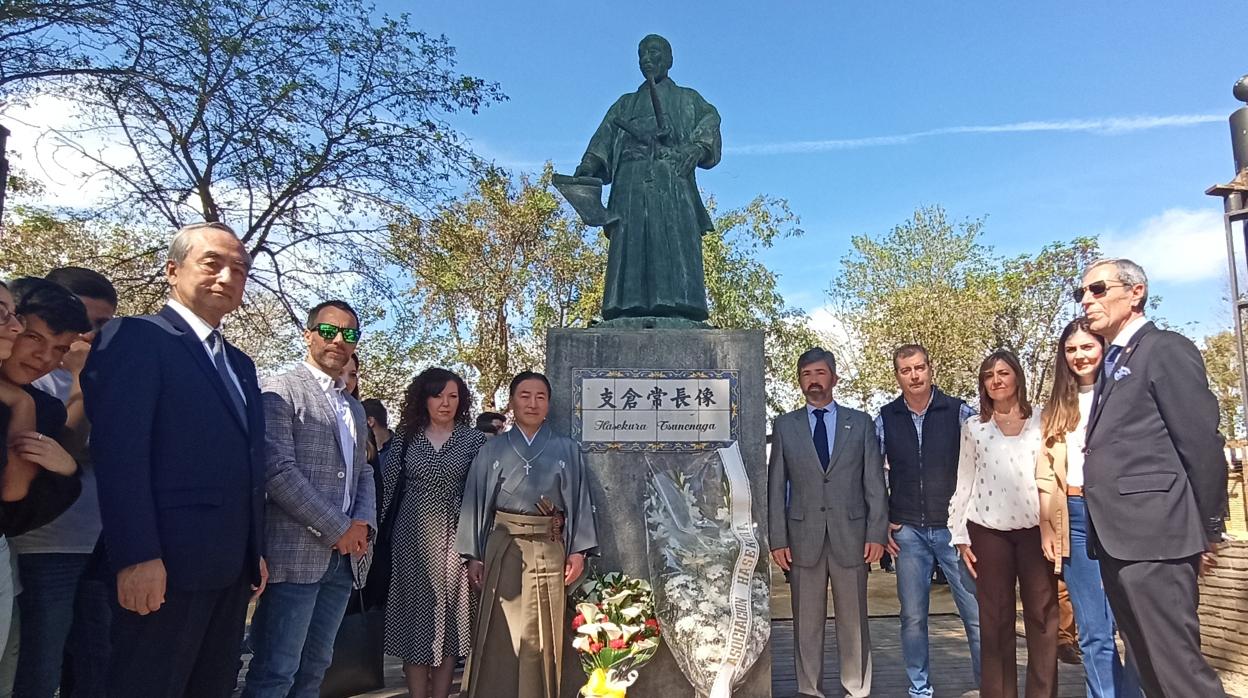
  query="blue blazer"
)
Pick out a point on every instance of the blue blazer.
point(181, 477)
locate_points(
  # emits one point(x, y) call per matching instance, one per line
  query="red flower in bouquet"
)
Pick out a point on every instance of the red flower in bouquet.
point(616, 631)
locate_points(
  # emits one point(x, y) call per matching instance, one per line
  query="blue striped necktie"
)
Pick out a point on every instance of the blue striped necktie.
point(217, 343)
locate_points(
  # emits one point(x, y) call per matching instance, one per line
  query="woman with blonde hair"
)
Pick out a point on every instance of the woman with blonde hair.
point(994, 517)
point(1064, 513)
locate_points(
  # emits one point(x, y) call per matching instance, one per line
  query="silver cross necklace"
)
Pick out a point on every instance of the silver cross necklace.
point(528, 462)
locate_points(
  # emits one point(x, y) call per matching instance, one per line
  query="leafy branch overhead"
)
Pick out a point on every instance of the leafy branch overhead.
point(307, 126)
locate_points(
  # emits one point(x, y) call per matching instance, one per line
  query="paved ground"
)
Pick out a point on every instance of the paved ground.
point(948, 651)
point(948, 648)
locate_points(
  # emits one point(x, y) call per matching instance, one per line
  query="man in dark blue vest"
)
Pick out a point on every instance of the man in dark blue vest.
point(920, 434)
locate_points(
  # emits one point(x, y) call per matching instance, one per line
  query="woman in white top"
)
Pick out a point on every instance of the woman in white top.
point(1064, 514)
point(994, 517)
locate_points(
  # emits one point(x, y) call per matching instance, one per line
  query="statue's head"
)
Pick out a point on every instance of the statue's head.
point(654, 55)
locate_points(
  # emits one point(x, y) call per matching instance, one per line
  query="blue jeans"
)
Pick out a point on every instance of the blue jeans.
point(1094, 619)
point(61, 610)
point(923, 547)
point(293, 631)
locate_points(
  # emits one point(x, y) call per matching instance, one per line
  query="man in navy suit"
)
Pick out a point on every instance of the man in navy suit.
point(1154, 481)
point(178, 442)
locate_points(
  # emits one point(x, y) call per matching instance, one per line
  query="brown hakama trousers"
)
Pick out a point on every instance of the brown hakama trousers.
point(517, 647)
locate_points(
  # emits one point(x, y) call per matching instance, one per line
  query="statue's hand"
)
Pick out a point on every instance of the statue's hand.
point(684, 158)
point(587, 168)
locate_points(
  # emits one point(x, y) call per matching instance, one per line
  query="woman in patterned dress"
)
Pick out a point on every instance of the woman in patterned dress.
point(429, 609)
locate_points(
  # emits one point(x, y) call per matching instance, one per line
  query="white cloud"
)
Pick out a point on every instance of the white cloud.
point(825, 323)
point(1107, 125)
point(1176, 246)
point(44, 154)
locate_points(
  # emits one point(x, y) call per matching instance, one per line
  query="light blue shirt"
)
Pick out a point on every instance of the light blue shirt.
point(829, 421)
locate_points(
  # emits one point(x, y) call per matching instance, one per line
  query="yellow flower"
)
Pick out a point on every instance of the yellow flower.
point(600, 686)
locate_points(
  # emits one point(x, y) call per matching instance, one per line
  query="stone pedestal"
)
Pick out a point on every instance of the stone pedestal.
point(618, 478)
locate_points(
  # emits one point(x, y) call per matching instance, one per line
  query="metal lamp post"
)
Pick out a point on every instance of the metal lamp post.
point(1235, 213)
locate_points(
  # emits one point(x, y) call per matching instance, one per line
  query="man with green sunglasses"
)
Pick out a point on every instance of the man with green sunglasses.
point(328, 331)
point(322, 509)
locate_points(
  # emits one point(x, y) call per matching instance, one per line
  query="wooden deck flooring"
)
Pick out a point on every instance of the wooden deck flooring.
point(950, 658)
point(949, 655)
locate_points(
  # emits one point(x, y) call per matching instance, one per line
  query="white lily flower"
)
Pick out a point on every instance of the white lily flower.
point(589, 611)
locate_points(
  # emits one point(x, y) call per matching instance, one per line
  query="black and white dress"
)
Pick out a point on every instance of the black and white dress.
point(430, 606)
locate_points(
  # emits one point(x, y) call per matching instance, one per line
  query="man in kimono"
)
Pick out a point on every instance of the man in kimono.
point(526, 525)
point(647, 148)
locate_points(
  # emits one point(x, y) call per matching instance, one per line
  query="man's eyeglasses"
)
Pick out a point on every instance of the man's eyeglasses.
point(350, 335)
point(1096, 288)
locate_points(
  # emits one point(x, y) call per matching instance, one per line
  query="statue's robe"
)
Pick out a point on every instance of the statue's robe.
point(654, 263)
point(518, 638)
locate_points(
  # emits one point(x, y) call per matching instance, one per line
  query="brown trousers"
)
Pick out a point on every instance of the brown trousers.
point(1003, 557)
point(517, 650)
point(1067, 634)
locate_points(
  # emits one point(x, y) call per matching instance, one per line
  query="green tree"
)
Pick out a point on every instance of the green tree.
point(35, 241)
point(491, 272)
point(929, 281)
point(1035, 304)
point(307, 126)
point(934, 282)
point(1222, 368)
point(57, 41)
point(743, 293)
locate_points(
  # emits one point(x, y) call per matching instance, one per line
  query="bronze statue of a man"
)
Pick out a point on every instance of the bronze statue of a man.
point(647, 148)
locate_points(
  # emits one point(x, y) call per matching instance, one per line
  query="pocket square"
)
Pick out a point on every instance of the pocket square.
point(1121, 373)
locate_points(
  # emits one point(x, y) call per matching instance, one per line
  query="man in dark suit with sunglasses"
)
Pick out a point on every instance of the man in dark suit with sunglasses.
point(1155, 481)
point(178, 445)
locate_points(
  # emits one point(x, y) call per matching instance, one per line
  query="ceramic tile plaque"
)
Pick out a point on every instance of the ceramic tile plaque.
point(621, 409)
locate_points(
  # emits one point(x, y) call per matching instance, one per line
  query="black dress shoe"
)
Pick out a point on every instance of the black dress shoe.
point(1068, 654)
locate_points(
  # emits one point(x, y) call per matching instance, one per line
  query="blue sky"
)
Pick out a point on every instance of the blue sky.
point(1104, 118)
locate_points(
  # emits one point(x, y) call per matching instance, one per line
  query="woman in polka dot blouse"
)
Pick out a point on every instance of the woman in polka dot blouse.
point(994, 517)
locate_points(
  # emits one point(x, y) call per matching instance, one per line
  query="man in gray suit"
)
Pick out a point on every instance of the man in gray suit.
point(321, 514)
point(829, 520)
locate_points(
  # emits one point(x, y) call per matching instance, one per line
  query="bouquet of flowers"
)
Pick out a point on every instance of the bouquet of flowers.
point(616, 632)
point(711, 592)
